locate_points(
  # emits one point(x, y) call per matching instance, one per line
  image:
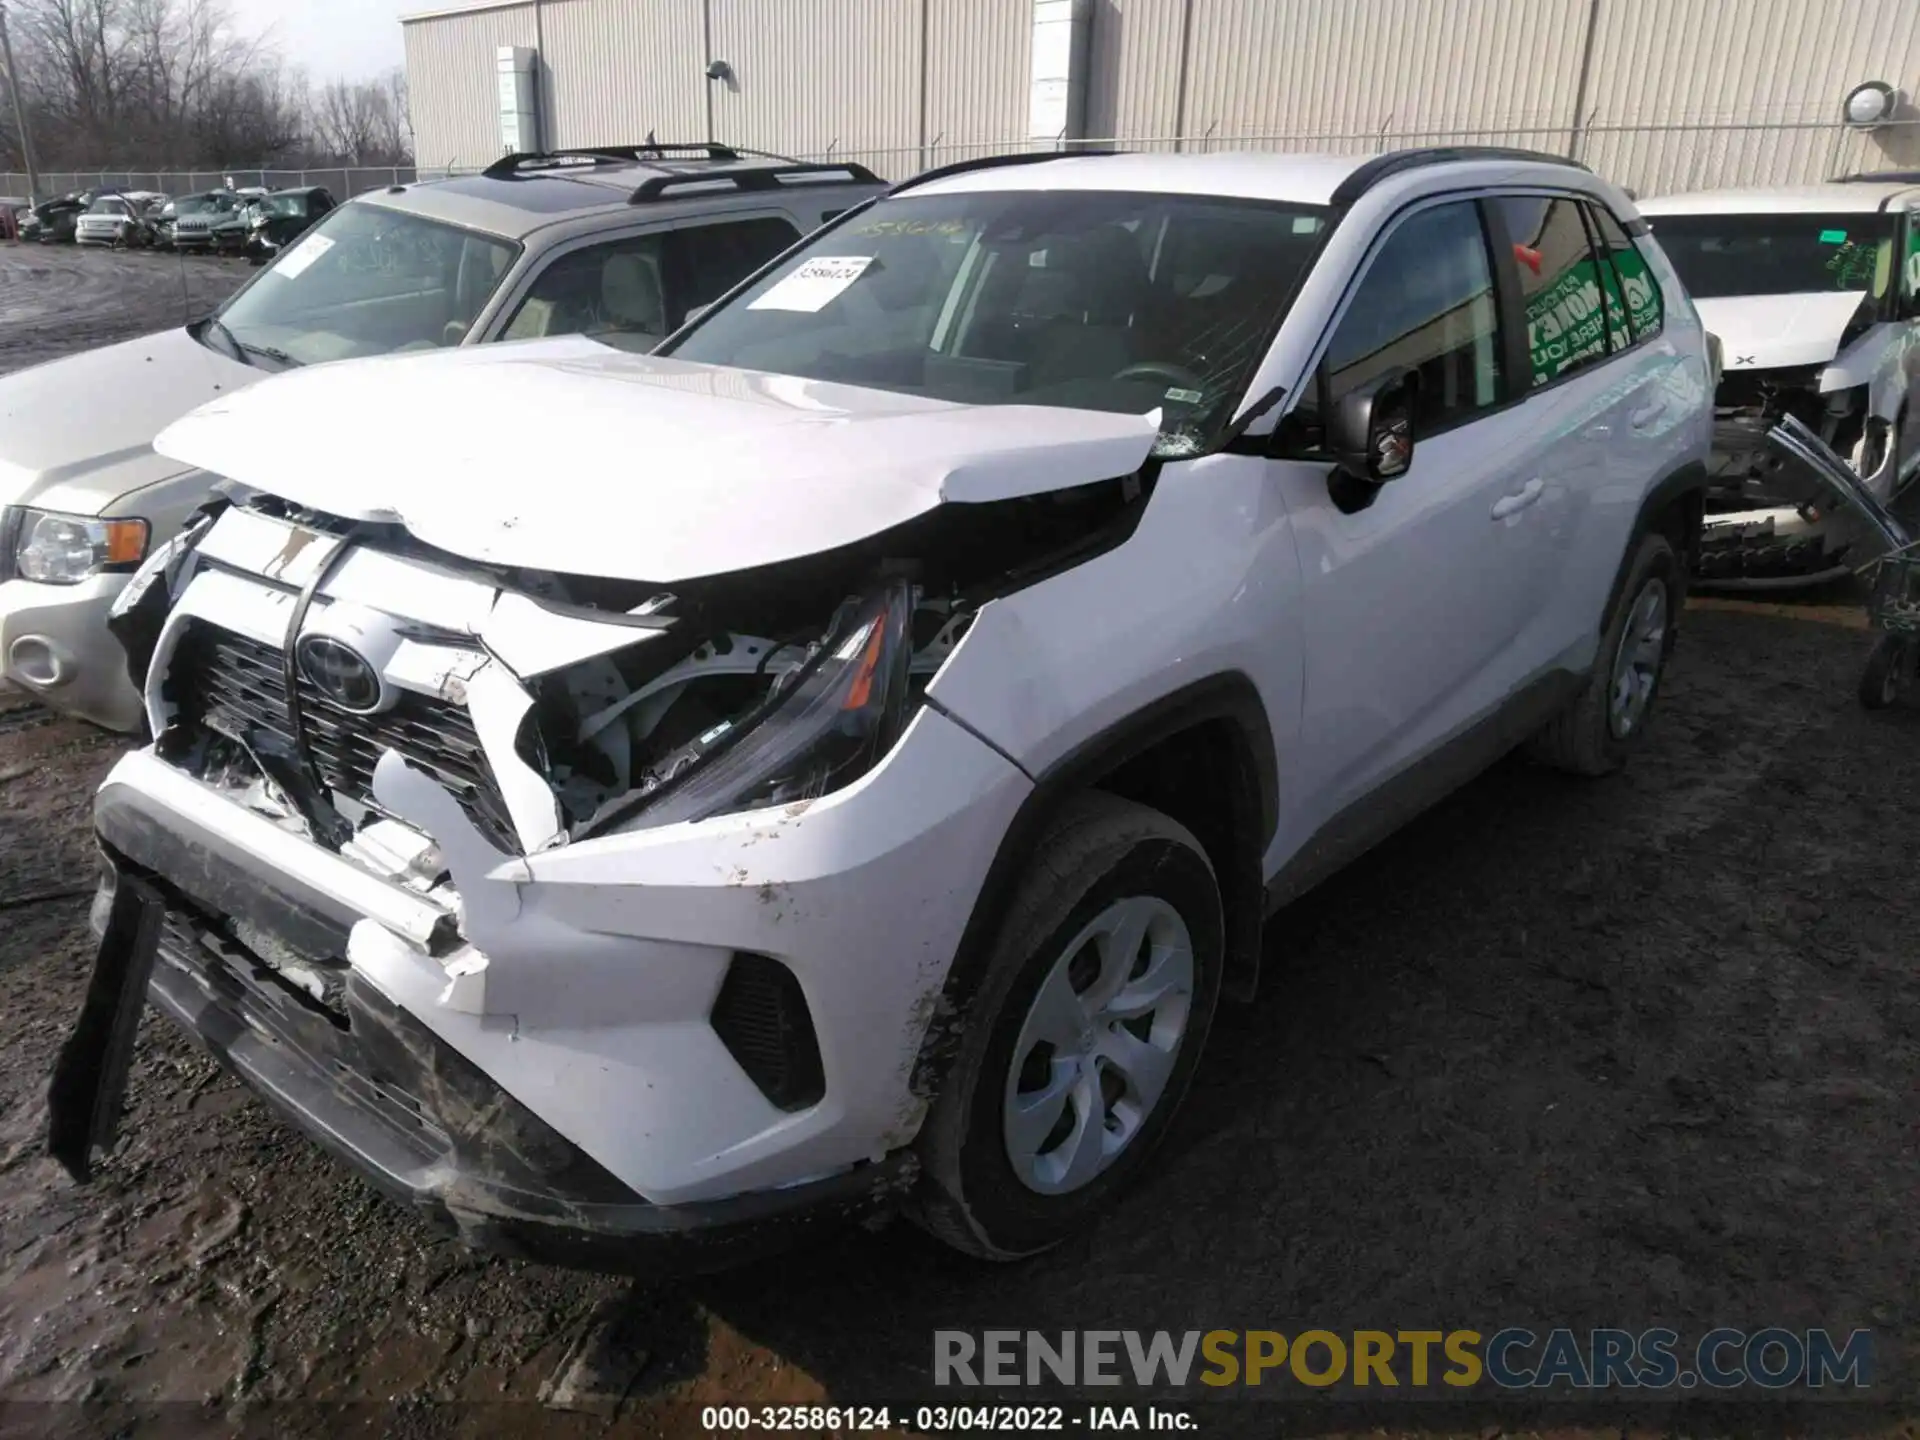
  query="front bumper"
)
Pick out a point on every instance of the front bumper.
point(54, 643)
point(422, 1124)
point(583, 981)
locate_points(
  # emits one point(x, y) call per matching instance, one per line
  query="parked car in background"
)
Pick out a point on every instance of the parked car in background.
point(53, 222)
point(188, 221)
point(114, 219)
point(280, 218)
point(1814, 292)
point(842, 757)
point(13, 209)
point(619, 245)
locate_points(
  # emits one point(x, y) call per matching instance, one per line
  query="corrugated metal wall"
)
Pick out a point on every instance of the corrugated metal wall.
point(452, 94)
point(817, 74)
point(645, 65)
point(1755, 97)
point(1660, 94)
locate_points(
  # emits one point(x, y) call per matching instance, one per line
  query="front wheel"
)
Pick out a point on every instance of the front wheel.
point(1888, 667)
point(1607, 719)
point(1085, 1030)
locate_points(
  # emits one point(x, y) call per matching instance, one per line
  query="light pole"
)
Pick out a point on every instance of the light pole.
point(19, 106)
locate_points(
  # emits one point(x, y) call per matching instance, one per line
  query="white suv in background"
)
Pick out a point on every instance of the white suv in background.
point(841, 760)
point(1814, 293)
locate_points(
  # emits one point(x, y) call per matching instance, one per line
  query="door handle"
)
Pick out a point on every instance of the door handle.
point(1523, 497)
point(1640, 419)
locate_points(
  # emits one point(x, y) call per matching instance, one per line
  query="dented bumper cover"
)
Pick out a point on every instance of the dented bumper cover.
point(380, 1091)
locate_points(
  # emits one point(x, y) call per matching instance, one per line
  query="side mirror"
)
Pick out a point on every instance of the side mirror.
point(1371, 432)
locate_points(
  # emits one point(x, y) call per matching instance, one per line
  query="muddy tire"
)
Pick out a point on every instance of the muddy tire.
point(1083, 1035)
point(1603, 723)
point(1890, 664)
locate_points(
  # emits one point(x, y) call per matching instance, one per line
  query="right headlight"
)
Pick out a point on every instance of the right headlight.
point(831, 720)
point(56, 549)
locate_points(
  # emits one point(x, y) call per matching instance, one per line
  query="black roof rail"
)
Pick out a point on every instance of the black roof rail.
point(993, 162)
point(769, 177)
point(508, 166)
point(1382, 167)
point(1879, 177)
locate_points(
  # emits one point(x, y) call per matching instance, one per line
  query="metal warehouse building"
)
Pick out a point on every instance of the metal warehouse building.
point(1661, 95)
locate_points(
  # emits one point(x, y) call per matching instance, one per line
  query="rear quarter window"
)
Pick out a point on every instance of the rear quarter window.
point(1646, 306)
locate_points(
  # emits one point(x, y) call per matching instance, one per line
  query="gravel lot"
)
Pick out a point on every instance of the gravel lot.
point(1630, 1053)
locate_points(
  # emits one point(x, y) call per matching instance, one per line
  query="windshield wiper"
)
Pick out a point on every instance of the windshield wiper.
point(243, 350)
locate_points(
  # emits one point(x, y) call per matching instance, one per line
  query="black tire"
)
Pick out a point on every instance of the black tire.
point(1099, 850)
point(1581, 739)
point(1890, 663)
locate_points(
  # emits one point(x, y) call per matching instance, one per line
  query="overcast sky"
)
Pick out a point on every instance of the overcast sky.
point(331, 39)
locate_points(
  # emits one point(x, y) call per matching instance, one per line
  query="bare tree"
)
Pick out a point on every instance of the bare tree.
point(363, 122)
point(164, 84)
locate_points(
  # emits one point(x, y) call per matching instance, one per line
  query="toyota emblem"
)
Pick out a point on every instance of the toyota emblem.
point(340, 673)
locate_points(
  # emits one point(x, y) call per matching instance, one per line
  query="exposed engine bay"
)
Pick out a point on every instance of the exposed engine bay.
point(295, 649)
point(1763, 520)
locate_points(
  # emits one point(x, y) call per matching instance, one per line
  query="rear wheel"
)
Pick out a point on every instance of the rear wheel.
point(1083, 1035)
point(1606, 720)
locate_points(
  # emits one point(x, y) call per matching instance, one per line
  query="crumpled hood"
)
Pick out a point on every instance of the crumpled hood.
point(1772, 332)
point(77, 433)
point(569, 456)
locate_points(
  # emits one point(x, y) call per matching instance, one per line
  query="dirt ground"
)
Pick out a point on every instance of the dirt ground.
point(1639, 1052)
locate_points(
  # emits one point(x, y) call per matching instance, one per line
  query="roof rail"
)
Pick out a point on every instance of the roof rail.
point(993, 162)
point(1382, 167)
point(508, 166)
point(770, 177)
point(1879, 177)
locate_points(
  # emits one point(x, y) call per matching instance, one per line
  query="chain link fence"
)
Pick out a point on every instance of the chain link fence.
point(1651, 159)
point(342, 182)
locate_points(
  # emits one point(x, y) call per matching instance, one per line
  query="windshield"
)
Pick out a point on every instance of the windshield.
point(295, 205)
point(1777, 254)
point(107, 207)
point(367, 281)
point(1096, 301)
point(199, 205)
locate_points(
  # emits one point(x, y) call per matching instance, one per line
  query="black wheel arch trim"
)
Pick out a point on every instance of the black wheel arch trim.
point(1229, 696)
point(1689, 480)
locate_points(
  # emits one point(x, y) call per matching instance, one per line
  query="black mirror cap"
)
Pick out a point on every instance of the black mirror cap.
point(1371, 434)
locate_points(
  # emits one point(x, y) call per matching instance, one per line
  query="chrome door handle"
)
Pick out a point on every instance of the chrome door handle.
point(1513, 504)
point(1640, 419)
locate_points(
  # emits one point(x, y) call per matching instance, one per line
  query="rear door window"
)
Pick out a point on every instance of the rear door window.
point(1559, 284)
point(633, 291)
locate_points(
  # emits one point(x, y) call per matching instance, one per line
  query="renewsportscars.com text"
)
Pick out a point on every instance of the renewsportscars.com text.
point(1513, 1358)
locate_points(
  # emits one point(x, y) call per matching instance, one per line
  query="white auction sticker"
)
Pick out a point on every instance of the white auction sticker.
point(296, 260)
point(815, 283)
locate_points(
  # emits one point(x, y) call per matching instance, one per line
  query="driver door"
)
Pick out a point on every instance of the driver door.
point(1414, 591)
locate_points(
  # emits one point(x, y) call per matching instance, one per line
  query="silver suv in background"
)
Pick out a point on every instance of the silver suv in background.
point(618, 244)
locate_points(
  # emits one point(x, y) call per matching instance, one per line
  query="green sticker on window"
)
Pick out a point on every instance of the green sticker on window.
point(1833, 237)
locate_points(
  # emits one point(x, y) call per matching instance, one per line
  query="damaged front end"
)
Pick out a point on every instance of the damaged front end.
point(1763, 525)
point(424, 837)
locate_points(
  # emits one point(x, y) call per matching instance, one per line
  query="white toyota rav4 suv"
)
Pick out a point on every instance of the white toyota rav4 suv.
point(840, 760)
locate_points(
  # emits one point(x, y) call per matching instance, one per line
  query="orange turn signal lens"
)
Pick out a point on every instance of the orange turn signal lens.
point(126, 541)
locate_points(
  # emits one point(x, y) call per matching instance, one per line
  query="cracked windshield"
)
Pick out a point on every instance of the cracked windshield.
point(1117, 302)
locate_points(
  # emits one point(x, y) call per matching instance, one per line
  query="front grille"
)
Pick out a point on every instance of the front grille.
point(233, 685)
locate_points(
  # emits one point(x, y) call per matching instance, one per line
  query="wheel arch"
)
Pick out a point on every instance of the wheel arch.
point(1675, 505)
point(1201, 753)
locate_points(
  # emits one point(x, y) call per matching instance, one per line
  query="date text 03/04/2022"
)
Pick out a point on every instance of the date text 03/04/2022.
point(930, 1419)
